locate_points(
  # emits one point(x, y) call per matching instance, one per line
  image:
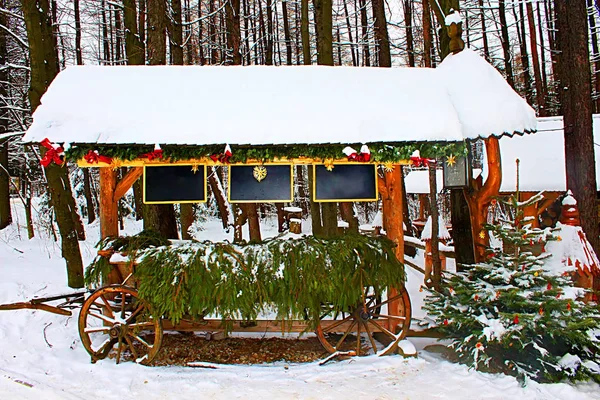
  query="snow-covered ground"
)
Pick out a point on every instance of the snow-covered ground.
point(41, 356)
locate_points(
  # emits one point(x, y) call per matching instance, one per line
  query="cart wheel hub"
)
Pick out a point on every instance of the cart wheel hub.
point(364, 315)
point(117, 330)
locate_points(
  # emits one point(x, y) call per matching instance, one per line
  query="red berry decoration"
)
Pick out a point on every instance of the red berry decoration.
point(569, 306)
point(541, 311)
point(445, 322)
point(516, 320)
point(549, 287)
point(475, 297)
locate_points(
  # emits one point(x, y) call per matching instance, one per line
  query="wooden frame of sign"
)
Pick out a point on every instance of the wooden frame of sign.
point(176, 184)
point(244, 187)
point(345, 182)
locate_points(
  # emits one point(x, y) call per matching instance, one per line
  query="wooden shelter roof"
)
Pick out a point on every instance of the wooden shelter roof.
point(464, 98)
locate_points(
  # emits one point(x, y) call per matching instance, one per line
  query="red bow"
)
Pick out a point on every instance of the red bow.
point(353, 155)
point(92, 157)
point(153, 155)
point(224, 157)
point(419, 161)
point(55, 153)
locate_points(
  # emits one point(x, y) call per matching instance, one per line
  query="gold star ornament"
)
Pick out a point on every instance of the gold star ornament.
point(259, 173)
point(195, 168)
point(329, 164)
point(451, 160)
point(482, 234)
point(388, 166)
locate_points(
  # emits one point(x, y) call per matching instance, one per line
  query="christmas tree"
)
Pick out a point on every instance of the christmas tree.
point(516, 312)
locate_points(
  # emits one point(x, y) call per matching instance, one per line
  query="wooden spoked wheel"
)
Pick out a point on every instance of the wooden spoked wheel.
point(372, 327)
point(114, 321)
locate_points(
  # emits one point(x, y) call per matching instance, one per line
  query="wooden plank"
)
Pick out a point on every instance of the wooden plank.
point(31, 306)
point(139, 162)
point(109, 222)
point(127, 182)
point(216, 325)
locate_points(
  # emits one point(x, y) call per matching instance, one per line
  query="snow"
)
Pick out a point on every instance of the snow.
point(465, 97)
point(417, 181)
point(292, 209)
point(569, 200)
point(378, 220)
point(41, 356)
point(575, 251)
point(453, 18)
point(541, 156)
point(442, 232)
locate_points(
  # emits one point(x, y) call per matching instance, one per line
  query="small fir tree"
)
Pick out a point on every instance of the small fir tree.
point(514, 314)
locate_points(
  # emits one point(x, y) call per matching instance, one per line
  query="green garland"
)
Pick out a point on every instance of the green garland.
point(297, 277)
point(379, 152)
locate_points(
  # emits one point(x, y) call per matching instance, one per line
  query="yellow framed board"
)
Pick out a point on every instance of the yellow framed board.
point(169, 184)
point(345, 182)
point(261, 183)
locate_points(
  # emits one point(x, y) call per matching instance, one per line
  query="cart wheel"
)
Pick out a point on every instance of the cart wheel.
point(357, 330)
point(115, 317)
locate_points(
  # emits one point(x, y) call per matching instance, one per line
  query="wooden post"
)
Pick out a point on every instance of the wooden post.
point(390, 188)
point(435, 229)
point(108, 206)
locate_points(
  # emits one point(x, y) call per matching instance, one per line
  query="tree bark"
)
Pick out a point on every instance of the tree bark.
point(176, 33)
point(269, 41)
point(539, 91)
point(427, 34)
point(304, 33)
point(5, 212)
point(222, 203)
point(381, 34)
point(353, 48)
point(409, 35)
point(595, 57)
point(134, 47)
point(44, 68)
point(286, 34)
point(232, 21)
point(435, 229)
point(486, 46)
point(505, 43)
point(253, 222)
point(364, 22)
point(524, 56)
point(324, 29)
point(575, 93)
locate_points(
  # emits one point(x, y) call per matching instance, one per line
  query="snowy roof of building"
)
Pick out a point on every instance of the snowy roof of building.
point(464, 98)
point(541, 158)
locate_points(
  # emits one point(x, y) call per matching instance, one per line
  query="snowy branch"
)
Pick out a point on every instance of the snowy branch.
point(19, 40)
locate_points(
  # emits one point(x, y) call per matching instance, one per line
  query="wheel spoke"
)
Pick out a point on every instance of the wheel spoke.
point(108, 306)
point(370, 337)
point(97, 329)
point(358, 339)
point(142, 341)
point(130, 344)
point(119, 349)
point(123, 298)
point(142, 324)
point(339, 343)
point(390, 316)
point(385, 302)
point(336, 324)
point(135, 313)
point(102, 317)
point(384, 330)
point(105, 349)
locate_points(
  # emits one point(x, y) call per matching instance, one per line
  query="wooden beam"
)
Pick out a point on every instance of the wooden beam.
point(127, 182)
point(140, 162)
point(109, 221)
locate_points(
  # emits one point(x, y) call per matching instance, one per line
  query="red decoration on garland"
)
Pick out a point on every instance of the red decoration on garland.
point(93, 157)
point(153, 155)
point(516, 320)
point(224, 157)
point(549, 287)
point(55, 153)
point(418, 161)
point(445, 322)
point(363, 156)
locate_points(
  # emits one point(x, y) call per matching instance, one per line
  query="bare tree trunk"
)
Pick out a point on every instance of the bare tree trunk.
point(435, 229)
point(246, 8)
point(353, 48)
point(44, 68)
point(524, 56)
point(286, 33)
point(253, 223)
point(595, 57)
point(381, 34)
point(364, 22)
point(269, 42)
point(575, 91)
point(304, 33)
point(427, 34)
point(232, 21)
point(542, 57)
point(324, 29)
point(134, 47)
point(486, 46)
point(539, 91)
point(348, 215)
point(212, 36)
point(142, 26)
point(505, 43)
point(5, 212)
point(222, 203)
point(409, 35)
point(187, 219)
point(176, 33)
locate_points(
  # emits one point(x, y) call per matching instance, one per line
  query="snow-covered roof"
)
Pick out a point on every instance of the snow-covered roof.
point(541, 156)
point(464, 98)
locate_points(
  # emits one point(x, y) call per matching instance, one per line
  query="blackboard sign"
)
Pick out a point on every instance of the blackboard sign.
point(345, 182)
point(167, 184)
point(456, 172)
point(250, 184)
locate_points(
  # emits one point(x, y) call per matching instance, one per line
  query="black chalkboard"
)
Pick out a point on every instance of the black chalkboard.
point(174, 184)
point(276, 187)
point(345, 182)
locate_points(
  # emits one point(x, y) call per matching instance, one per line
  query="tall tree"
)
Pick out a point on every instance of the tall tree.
point(44, 68)
point(5, 214)
point(539, 91)
point(408, 10)
point(508, 72)
point(382, 39)
point(176, 33)
point(159, 217)
point(232, 21)
point(575, 94)
point(304, 33)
